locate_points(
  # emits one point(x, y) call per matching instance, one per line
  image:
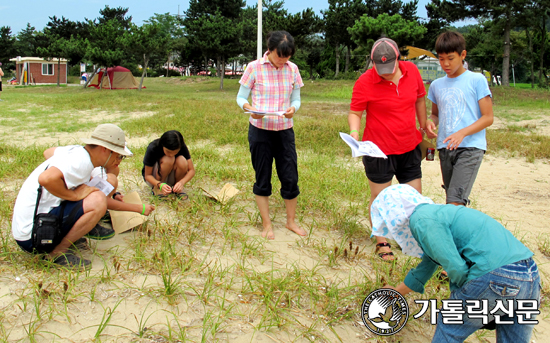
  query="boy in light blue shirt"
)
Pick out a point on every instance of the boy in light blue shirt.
point(462, 107)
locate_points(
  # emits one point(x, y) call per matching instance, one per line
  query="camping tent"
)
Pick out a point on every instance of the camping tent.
point(417, 52)
point(116, 78)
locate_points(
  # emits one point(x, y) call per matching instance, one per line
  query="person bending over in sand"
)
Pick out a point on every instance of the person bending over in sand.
point(484, 261)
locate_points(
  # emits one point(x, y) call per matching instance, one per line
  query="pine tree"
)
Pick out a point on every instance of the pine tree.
point(505, 10)
point(214, 28)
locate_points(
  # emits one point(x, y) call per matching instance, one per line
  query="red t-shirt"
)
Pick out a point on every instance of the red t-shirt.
point(391, 109)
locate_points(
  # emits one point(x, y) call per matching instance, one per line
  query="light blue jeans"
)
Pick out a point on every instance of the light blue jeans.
point(515, 281)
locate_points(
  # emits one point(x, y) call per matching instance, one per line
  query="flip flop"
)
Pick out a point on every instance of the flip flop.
point(159, 195)
point(443, 276)
point(182, 196)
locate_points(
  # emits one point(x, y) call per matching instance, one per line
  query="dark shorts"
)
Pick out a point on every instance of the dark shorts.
point(459, 169)
point(266, 146)
point(72, 212)
point(0, 86)
point(405, 167)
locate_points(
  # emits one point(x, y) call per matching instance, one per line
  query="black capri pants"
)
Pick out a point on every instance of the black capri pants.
point(266, 145)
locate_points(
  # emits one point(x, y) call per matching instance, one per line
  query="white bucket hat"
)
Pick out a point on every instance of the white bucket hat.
point(111, 137)
point(390, 213)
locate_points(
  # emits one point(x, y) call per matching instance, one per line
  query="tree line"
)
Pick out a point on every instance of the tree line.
point(510, 35)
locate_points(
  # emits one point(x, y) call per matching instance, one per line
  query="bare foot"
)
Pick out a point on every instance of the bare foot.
point(268, 233)
point(296, 229)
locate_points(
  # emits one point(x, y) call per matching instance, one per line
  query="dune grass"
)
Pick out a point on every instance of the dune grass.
point(198, 271)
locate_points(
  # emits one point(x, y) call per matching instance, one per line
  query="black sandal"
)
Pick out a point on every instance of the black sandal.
point(158, 194)
point(182, 195)
point(443, 276)
point(383, 254)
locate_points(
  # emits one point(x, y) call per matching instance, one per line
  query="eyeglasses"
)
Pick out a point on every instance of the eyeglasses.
point(120, 157)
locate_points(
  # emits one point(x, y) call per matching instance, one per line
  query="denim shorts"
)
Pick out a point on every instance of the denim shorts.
point(515, 281)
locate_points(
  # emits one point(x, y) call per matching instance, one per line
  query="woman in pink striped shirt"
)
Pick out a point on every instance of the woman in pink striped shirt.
point(273, 82)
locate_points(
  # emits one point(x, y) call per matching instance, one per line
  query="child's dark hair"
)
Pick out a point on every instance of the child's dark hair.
point(449, 42)
point(171, 140)
point(282, 41)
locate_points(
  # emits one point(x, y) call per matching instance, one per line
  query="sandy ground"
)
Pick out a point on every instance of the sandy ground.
point(510, 189)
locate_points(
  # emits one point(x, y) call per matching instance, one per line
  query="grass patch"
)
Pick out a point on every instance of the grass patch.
point(544, 244)
point(524, 86)
point(520, 142)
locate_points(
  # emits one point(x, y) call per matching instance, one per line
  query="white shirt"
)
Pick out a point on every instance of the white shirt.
point(98, 171)
point(75, 164)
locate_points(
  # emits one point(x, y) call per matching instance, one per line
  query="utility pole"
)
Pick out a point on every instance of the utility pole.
point(259, 51)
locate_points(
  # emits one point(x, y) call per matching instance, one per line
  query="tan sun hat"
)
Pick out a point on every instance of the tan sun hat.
point(111, 137)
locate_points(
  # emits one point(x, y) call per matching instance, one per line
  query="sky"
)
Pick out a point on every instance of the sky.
point(36, 12)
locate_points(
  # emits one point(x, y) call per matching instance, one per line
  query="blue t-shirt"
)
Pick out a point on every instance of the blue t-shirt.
point(457, 101)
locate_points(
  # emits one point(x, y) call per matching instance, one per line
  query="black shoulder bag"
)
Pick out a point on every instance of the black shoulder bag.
point(46, 229)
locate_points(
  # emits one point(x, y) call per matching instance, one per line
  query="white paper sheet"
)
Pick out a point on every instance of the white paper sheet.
point(366, 148)
point(103, 185)
point(263, 113)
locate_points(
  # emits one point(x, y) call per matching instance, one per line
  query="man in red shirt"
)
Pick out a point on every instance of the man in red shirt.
point(392, 93)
